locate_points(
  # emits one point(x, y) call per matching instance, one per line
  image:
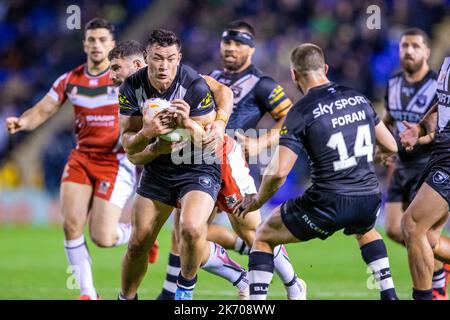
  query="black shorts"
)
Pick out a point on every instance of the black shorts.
point(436, 175)
point(402, 187)
point(170, 184)
point(318, 214)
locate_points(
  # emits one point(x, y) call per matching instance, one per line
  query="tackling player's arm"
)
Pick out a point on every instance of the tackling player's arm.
point(223, 96)
point(422, 132)
point(272, 97)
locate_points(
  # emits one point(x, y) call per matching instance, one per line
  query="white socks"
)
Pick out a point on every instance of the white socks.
point(78, 256)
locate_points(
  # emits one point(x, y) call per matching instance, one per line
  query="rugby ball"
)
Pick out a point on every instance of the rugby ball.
point(153, 107)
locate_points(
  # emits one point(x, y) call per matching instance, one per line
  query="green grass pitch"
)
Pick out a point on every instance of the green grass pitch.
point(33, 266)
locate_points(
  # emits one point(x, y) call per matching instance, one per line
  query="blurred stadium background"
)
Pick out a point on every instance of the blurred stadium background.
point(36, 47)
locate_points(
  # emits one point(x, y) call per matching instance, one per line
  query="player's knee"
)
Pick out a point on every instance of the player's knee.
point(190, 232)
point(73, 227)
point(137, 249)
point(103, 240)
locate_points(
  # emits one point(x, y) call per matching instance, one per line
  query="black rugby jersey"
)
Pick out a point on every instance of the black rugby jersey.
point(187, 85)
point(410, 101)
point(336, 127)
point(254, 95)
point(441, 147)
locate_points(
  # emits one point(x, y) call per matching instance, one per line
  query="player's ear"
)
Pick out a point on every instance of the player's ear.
point(85, 45)
point(144, 54)
point(325, 68)
point(179, 58)
point(252, 51)
point(137, 63)
point(293, 75)
point(427, 53)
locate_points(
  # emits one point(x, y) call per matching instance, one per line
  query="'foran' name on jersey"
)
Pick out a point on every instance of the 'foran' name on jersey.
point(323, 109)
point(349, 118)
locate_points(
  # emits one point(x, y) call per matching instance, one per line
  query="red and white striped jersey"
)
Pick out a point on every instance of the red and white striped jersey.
point(95, 102)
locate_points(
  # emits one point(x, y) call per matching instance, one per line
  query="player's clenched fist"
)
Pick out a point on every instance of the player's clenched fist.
point(14, 124)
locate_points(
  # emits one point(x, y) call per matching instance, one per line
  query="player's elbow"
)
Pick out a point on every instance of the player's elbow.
point(280, 174)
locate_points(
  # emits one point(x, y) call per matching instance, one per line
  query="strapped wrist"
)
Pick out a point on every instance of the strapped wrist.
point(222, 116)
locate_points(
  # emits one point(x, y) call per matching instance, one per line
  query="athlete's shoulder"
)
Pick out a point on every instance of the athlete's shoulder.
point(79, 70)
point(187, 75)
point(76, 72)
point(346, 90)
point(257, 72)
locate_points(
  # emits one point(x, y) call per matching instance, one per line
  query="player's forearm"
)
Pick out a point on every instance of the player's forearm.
point(134, 142)
point(426, 139)
point(429, 121)
point(269, 186)
point(39, 113)
point(272, 136)
point(196, 132)
point(146, 156)
point(224, 102)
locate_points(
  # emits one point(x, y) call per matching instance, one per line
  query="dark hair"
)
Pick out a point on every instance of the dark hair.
point(164, 38)
point(98, 23)
point(126, 49)
point(240, 24)
point(307, 57)
point(417, 32)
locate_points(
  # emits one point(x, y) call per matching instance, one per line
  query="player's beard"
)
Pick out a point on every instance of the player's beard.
point(236, 65)
point(411, 67)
